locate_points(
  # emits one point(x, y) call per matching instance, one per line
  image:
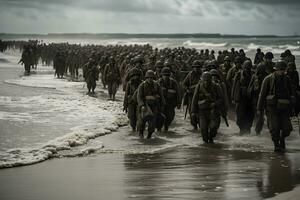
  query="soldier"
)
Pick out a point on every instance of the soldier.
point(206, 104)
point(171, 94)
point(130, 102)
point(276, 98)
point(150, 104)
point(216, 78)
point(253, 92)
point(137, 66)
point(232, 72)
point(240, 97)
point(158, 67)
point(59, 63)
point(289, 57)
point(269, 63)
point(226, 66)
point(91, 75)
point(189, 84)
point(259, 57)
point(27, 59)
point(112, 78)
point(293, 75)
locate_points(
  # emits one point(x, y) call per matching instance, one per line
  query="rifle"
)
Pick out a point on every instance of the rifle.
point(186, 110)
point(226, 121)
point(186, 95)
point(298, 124)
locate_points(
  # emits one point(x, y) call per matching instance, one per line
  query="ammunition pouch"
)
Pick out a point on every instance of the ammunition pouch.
point(271, 101)
point(150, 99)
point(244, 92)
point(203, 104)
point(171, 93)
point(283, 104)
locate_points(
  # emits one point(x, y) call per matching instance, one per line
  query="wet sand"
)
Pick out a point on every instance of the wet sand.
point(184, 173)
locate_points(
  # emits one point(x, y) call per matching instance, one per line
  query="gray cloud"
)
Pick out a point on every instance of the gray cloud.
point(225, 16)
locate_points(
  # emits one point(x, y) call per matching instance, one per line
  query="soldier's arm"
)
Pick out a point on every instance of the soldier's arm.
point(263, 94)
point(195, 99)
point(178, 94)
point(125, 102)
point(162, 98)
point(140, 94)
point(185, 82)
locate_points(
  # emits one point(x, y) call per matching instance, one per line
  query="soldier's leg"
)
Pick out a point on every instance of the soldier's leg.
point(89, 87)
point(204, 120)
point(240, 117)
point(170, 113)
point(109, 88)
point(259, 124)
point(274, 128)
point(214, 125)
point(132, 116)
point(93, 86)
point(152, 123)
point(114, 90)
point(286, 128)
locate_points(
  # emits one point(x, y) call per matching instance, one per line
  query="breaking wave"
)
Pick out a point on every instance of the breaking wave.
point(202, 45)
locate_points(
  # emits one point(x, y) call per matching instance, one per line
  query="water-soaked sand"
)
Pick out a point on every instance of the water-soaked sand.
point(185, 173)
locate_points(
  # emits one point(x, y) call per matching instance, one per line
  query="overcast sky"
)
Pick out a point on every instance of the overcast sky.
point(281, 17)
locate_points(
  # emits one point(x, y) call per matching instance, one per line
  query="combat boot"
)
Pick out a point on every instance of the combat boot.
point(282, 143)
point(141, 134)
point(149, 135)
point(277, 147)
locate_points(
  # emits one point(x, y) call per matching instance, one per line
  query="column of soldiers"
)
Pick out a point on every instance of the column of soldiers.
point(157, 81)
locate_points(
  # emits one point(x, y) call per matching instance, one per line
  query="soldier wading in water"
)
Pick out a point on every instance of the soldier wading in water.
point(276, 97)
point(150, 104)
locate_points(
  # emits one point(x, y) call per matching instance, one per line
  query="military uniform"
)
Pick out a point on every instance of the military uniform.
point(171, 94)
point(27, 59)
point(91, 75)
point(189, 85)
point(276, 98)
point(241, 98)
point(253, 92)
point(206, 104)
point(112, 78)
point(130, 98)
point(150, 104)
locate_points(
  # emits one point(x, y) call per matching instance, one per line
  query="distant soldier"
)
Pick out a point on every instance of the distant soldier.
point(226, 66)
point(293, 75)
point(241, 98)
point(206, 104)
point(232, 72)
point(137, 66)
point(253, 92)
point(158, 67)
point(269, 63)
point(59, 64)
point(27, 59)
point(112, 78)
point(189, 84)
point(289, 57)
point(259, 56)
point(276, 98)
point(150, 104)
point(130, 98)
point(91, 75)
point(171, 94)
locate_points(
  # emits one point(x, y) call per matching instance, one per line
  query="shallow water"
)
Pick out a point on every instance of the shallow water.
point(183, 173)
